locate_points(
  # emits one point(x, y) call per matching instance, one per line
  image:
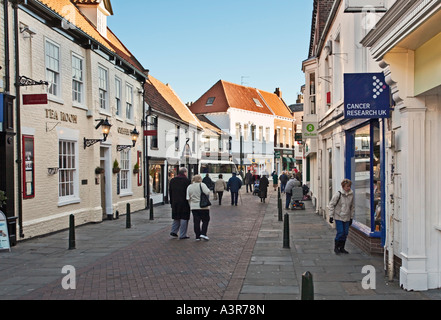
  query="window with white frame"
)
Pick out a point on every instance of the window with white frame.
point(103, 88)
point(67, 169)
point(261, 134)
point(53, 67)
point(125, 171)
point(129, 102)
point(267, 135)
point(77, 79)
point(118, 96)
point(238, 131)
point(246, 131)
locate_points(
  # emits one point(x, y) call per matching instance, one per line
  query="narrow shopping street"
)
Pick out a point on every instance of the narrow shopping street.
point(244, 260)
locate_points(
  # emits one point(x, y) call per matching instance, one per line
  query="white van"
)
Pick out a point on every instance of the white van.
point(214, 168)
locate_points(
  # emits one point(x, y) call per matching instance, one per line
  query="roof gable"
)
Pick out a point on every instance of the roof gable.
point(161, 97)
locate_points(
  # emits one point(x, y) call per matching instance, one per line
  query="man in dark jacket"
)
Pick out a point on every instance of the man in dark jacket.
point(283, 180)
point(249, 180)
point(179, 204)
point(233, 185)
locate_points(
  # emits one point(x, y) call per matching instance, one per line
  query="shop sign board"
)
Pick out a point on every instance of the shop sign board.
point(367, 96)
point(30, 99)
point(310, 130)
point(4, 236)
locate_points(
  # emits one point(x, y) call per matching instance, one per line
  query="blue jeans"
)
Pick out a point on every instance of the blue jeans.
point(342, 230)
point(288, 200)
point(282, 187)
point(234, 196)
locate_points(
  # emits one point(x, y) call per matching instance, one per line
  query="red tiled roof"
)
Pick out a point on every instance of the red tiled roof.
point(162, 98)
point(229, 95)
point(276, 104)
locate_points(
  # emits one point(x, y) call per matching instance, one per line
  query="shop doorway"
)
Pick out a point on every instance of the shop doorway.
point(106, 182)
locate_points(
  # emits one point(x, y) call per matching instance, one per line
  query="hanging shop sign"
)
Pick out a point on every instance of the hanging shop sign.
point(33, 99)
point(367, 96)
point(309, 130)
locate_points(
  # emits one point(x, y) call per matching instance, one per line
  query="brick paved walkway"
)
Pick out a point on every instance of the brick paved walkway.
point(158, 267)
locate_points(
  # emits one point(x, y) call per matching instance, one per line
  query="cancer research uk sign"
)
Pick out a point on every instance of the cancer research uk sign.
point(367, 96)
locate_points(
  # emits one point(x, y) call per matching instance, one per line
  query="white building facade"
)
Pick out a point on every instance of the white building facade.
point(66, 162)
point(406, 43)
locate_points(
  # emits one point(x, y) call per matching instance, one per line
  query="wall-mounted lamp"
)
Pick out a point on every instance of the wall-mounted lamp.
point(105, 125)
point(135, 136)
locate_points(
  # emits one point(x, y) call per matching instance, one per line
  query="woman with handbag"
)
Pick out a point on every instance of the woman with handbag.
point(197, 196)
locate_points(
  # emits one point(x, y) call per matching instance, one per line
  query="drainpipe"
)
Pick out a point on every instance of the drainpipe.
point(7, 62)
point(18, 121)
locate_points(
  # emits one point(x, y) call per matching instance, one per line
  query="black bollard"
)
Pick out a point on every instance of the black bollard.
point(278, 193)
point(151, 210)
point(117, 215)
point(280, 210)
point(72, 232)
point(307, 286)
point(128, 220)
point(286, 232)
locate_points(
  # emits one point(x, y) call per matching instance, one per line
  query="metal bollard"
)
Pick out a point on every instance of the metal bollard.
point(278, 193)
point(280, 210)
point(307, 286)
point(286, 233)
point(117, 215)
point(72, 232)
point(151, 210)
point(128, 220)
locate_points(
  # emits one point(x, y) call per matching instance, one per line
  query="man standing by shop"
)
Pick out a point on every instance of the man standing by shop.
point(179, 204)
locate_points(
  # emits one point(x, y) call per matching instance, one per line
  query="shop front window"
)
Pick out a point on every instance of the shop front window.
point(155, 179)
point(364, 152)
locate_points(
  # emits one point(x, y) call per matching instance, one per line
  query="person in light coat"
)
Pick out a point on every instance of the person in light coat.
point(342, 210)
point(199, 214)
point(219, 187)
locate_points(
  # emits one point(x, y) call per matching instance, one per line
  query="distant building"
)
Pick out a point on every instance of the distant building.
point(256, 121)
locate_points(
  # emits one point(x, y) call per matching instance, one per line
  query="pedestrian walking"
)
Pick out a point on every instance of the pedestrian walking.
point(249, 180)
point(342, 210)
point(263, 186)
point(292, 183)
point(210, 184)
point(234, 184)
point(283, 181)
point(219, 187)
point(275, 180)
point(199, 214)
point(179, 204)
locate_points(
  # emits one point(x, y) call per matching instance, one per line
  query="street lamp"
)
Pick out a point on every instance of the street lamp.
point(135, 135)
point(105, 127)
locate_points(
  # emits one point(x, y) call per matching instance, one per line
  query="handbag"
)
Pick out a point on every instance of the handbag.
point(205, 202)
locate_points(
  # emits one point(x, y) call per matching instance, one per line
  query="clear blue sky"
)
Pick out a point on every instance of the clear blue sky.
point(191, 44)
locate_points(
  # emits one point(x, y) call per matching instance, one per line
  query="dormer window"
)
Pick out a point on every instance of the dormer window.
point(97, 12)
point(210, 101)
point(257, 102)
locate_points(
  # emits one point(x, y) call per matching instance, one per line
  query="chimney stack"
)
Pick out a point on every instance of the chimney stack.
point(278, 92)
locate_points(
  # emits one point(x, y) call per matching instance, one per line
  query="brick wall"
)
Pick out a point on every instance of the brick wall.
point(363, 241)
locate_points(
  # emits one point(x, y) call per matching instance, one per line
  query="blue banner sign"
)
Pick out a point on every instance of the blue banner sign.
point(367, 96)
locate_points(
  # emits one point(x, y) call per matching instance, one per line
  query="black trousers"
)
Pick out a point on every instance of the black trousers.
point(219, 195)
point(199, 216)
